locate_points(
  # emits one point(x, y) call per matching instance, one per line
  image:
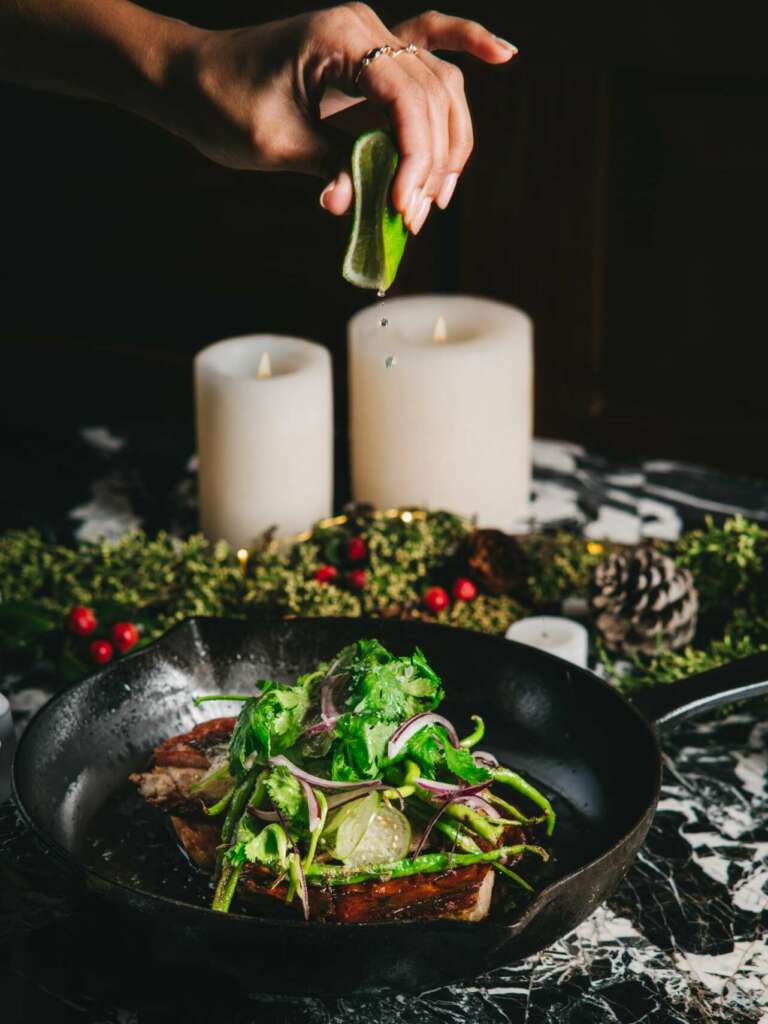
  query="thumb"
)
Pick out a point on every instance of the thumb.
point(337, 195)
point(324, 151)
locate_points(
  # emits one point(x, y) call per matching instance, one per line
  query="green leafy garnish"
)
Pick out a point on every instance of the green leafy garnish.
point(460, 762)
point(392, 688)
point(361, 746)
point(286, 793)
point(269, 724)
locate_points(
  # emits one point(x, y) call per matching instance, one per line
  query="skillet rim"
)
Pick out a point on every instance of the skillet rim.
point(191, 625)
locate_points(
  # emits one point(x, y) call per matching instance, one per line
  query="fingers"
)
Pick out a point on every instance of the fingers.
point(459, 127)
point(424, 99)
point(436, 31)
point(387, 82)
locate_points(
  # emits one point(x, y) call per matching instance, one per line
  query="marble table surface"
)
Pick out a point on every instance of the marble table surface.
point(682, 940)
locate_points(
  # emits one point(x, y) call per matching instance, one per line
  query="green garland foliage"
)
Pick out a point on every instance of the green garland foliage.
point(158, 581)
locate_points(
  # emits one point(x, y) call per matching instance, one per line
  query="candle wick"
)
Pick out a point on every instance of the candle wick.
point(264, 369)
point(440, 332)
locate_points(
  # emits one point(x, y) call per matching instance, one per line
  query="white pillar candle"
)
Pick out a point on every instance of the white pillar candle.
point(563, 637)
point(7, 743)
point(264, 409)
point(441, 406)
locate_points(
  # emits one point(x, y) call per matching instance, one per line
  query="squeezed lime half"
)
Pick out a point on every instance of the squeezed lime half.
point(378, 235)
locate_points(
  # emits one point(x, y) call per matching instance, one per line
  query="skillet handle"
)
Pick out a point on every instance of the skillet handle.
point(669, 703)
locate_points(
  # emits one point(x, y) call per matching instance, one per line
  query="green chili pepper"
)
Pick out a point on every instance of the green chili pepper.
point(315, 836)
point(427, 863)
point(516, 781)
point(477, 733)
point(225, 888)
point(512, 810)
point(220, 806)
point(219, 696)
point(212, 776)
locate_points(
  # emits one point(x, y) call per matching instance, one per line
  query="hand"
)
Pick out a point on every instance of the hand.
point(263, 98)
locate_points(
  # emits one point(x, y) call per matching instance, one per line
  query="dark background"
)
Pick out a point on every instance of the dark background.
point(617, 193)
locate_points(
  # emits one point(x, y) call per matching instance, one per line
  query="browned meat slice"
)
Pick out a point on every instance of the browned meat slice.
point(189, 749)
point(460, 894)
point(169, 788)
point(200, 839)
point(181, 761)
point(463, 894)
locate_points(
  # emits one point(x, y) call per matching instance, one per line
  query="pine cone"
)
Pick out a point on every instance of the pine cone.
point(642, 601)
point(496, 561)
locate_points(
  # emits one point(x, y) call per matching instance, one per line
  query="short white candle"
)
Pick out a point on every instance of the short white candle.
point(563, 637)
point(441, 406)
point(7, 744)
point(264, 410)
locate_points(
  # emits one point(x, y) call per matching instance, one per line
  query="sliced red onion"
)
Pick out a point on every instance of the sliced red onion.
point(476, 803)
point(485, 758)
point(449, 789)
point(264, 815)
point(313, 805)
point(315, 780)
point(329, 713)
point(429, 826)
point(408, 729)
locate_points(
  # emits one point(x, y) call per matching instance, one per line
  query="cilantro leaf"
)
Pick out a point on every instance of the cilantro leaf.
point(285, 792)
point(427, 749)
point(361, 746)
point(393, 689)
point(460, 762)
point(268, 724)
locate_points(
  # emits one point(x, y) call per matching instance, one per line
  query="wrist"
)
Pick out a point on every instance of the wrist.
point(160, 52)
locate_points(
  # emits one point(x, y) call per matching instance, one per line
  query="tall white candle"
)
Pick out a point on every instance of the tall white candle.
point(441, 406)
point(264, 409)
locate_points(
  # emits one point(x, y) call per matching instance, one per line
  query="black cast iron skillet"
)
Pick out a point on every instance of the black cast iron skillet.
point(559, 725)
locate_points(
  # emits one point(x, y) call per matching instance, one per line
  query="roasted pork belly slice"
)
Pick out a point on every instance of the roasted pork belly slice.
point(180, 762)
point(189, 750)
point(462, 894)
point(169, 788)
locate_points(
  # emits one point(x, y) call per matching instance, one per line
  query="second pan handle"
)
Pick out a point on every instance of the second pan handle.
point(669, 703)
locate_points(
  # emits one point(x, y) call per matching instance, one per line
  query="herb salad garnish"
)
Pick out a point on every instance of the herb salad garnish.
point(326, 780)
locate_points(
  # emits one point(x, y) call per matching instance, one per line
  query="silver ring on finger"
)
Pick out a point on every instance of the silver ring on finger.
point(383, 51)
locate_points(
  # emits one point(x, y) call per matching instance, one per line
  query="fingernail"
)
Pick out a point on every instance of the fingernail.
point(326, 192)
point(421, 216)
point(412, 207)
point(509, 46)
point(447, 190)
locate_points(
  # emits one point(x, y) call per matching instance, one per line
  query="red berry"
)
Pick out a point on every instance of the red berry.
point(464, 589)
point(81, 621)
point(357, 549)
point(101, 651)
point(326, 574)
point(436, 599)
point(124, 636)
point(358, 579)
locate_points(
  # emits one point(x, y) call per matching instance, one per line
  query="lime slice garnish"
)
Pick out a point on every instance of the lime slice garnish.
point(371, 832)
point(385, 841)
point(354, 825)
point(378, 235)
